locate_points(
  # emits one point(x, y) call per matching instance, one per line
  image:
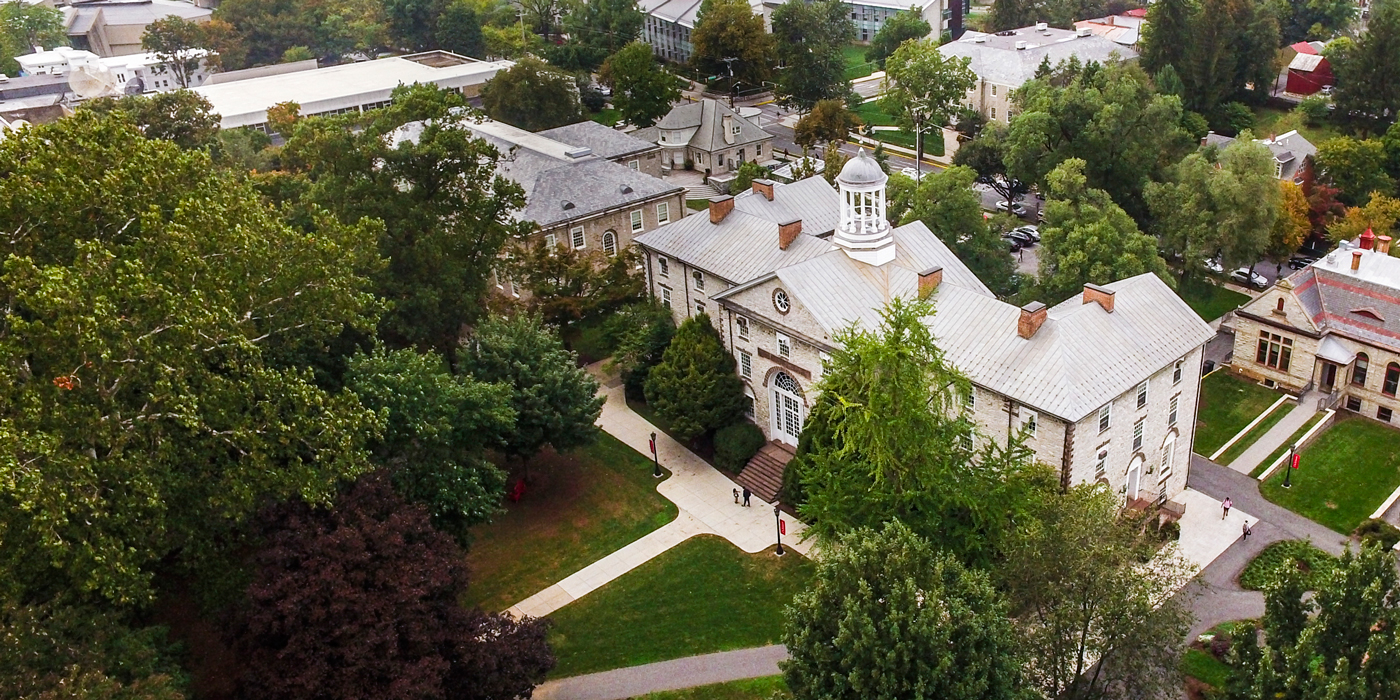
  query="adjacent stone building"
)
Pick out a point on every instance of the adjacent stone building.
point(1103, 385)
point(708, 136)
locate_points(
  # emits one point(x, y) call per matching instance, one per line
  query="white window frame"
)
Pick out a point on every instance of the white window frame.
point(1142, 395)
point(698, 278)
point(663, 213)
point(1030, 421)
point(1101, 465)
point(663, 266)
point(742, 323)
point(610, 243)
point(666, 297)
point(784, 346)
point(551, 241)
point(1177, 371)
point(699, 308)
point(1137, 433)
point(1105, 418)
point(577, 239)
point(634, 164)
point(745, 365)
point(637, 223)
point(1172, 410)
point(970, 401)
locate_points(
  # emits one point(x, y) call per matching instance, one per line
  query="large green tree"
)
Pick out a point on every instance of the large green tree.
point(459, 30)
point(1355, 167)
point(729, 40)
point(532, 96)
point(157, 322)
point(947, 203)
point(568, 285)
point(924, 87)
point(25, 26)
point(829, 121)
point(1088, 238)
point(809, 38)
point(643, 91)
point(1167, 37)
point(1223, 205)
point(327, 28)
point(411, 22)
point(555, 401)
point(887, 616)
point(896, 442)
point(1301, 20)
point(904, 26)
point(1091, 592)
point(183, 45)
point(1368, 70)
point(986, 155)
point(597, 29)
point(694, 388)
point(183, 117)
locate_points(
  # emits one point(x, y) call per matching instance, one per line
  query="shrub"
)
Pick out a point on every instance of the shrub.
point(638, 335)
point(1236, 117)
point(1379, 532)
point(1169, 531)
point(1297, 553)
point(694, 387)
point(1313, 109)
point(1220, 646)
point(735, 444)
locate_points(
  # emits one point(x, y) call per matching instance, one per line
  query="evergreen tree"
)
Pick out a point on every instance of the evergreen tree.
point(643, 91)
point(640, 333)
point(597, 29)
point(888, 616)
point(555, 401)
point(809, 38)
point(903, 26)
point(1168, 36)
point(694, 388)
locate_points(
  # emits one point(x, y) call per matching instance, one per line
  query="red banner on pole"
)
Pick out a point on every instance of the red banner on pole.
point(782, 526)
point(1296, 457)
point(653, 446)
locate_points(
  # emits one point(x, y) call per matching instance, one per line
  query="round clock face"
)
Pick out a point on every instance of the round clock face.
point(781, 301)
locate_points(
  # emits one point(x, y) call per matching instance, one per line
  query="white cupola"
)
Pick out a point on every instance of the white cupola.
point(864, 233)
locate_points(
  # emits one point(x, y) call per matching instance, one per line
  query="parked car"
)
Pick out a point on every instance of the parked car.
point(1031, 231)
point(1012, 244)
point(1016, 208)
point(910, 172)
point(1249, 278)
point(1213, 266)
point(1019, 236)
point(1299, 262)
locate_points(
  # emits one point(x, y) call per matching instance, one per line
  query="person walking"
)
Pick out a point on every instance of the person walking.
point(1247, 531)
point(736, 497)
point(1226, 505)
point(747, 493)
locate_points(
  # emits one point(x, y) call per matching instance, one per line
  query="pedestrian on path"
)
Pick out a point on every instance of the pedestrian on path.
point(747, 493)
point(1247, 531)
point(1226, 505)
point(736, 497)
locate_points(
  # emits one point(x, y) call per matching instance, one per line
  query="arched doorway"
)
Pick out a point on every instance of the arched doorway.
point(786, 416)
point(1134, 482)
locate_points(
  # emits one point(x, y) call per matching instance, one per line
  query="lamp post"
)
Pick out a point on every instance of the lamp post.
point(1292, 464)
point(778, 516)
point(655, 459)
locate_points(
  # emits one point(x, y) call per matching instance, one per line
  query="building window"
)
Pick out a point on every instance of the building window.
point(1358, 371)
point(1274, 351)
point(994, 113)
point(634, 164)
point(610, 243)
point(550, 241)
point(699, 278)
point(1171, 411)
point(1137, 435)
point(1028, 422)
point(1392, 379)
point(745, 365)
point(742, 322)
point(1105, 417)
point(994, 91)
point(663, 267)
point(1142, 395)
point(576, 235)
point(663, 213)
point(1384, 414)
point(637, 221)
point(1176, 371)
point(748, 403)
point(666, 297)
point(1101, 466)
point(970, 401)
point(1353, 404)
point(784, 346)
point(699, 308)
point(757, 151)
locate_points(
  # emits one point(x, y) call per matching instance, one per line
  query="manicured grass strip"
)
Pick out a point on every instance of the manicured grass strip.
point(1268, 120)
point(1295, 553)
point(577, 509)
point(870, 113)
point(1204, 667)
point(1295, 437)
point(751, 689)
point(1228, 404)
point(856, 65)
point(1253, 436)
point(607, 117)
point(702, 596)
point(1208, 300)
point(1349, 470)
point(697, 204)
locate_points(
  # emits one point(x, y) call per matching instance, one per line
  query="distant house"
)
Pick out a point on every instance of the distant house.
point(1293, 154)
point(1308, 73)
point(134, 73)
point(710, 136)
point(115, 27)
point(1004, 61)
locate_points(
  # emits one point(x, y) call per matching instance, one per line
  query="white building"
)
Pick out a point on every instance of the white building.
point(345, 88)
point(1103, 385)
point(1004, 61)
point(115, 27)
point(137, 73)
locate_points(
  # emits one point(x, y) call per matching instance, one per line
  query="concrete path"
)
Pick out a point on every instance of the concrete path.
point(1277, 436)
point(703, 495)
point(689, 672)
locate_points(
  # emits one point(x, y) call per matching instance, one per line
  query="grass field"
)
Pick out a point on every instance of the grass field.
point(1296, 553)
point(704, 595)
point(607, 117)
point(697, 204)
point(1228, 404)
point(578, 508)
point(856, 65)
point(1199, 664)
point(1268, 120)
point(1349, 470)
point(1284, 448)
point(1208, 300)
point(1253, 436)
point(751, 689)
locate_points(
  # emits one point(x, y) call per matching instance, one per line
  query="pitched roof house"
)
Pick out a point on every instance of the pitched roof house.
point(1104, 385)
point(1293, 154)
point(708, 134)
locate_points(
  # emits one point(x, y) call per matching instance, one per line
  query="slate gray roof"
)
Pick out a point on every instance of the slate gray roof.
point(996, 59)
point(1290, 149)
point(1082, 356)
point(707, 118)
point(1339, 300)
point(608, 143)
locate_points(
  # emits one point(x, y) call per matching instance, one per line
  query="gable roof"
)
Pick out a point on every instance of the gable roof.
point(605, 142)
point(995, 58)
point(707, 118)
point(1306, 62)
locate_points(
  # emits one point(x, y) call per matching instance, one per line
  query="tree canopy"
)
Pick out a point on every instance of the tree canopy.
point(809, 38)
point(1356, 167)
point(533, 96)
point(729, 29)
point(24, 26)
point(828, 121)
point(1223, 51)
point(904, 26)
point(1368, 70)
point(597, 29)
point(924, 86)
point(694, 387)
point(952, 209)
point(643, 91)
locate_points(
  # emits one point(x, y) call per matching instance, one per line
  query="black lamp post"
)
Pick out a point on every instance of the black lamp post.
point(1288, 468)
point(778, 518)
point(656, 460)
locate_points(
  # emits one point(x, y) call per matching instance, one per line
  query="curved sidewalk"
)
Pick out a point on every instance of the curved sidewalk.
point(689, 672)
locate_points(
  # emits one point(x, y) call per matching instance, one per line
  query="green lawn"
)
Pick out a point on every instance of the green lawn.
point(1201, 665)
point(1297, 553)
point(1284, 447)
point(856, 65)
point(1228, 404)
point(1208, 300)
point(585, 337)
point(1253, 436)
point(578, 509)
point(870, 113)
point(704, 595)
point(1343, 475)
point(697, 204)
point(751, 689)
point(1276, 121)
point(607, 117)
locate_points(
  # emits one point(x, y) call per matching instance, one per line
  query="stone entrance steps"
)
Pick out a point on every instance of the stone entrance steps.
point(763, 475)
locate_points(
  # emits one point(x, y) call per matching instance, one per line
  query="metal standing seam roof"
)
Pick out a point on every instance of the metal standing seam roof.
point(996, 58)
point(682, 12)
point(812, 200)
point(1305, 62)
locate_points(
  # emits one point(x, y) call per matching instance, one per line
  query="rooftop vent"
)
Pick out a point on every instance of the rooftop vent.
point(567, 205)
point(1021, 46)
point(1009, 32)
point(625, 189)
point(1082, 31)
point(579, 152)
point(979, 39)
point(1042, 27)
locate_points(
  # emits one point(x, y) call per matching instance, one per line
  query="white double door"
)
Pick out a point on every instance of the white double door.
point(786, 413)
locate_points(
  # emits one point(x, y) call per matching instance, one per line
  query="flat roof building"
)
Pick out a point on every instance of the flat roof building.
point(115, 27)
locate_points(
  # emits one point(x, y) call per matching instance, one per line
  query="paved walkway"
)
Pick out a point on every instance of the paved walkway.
point(703, 495)
point(1278, 435)
point(689, 672)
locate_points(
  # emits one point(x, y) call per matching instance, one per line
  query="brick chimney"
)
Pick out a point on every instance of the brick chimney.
point(929, 280)
point(1104, 296)
point(1368, 240)
point(787, 232)
point(765, 188)
point(720, 208)
point(1032, 316)
point(1355, 260)
point(1383, 244)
